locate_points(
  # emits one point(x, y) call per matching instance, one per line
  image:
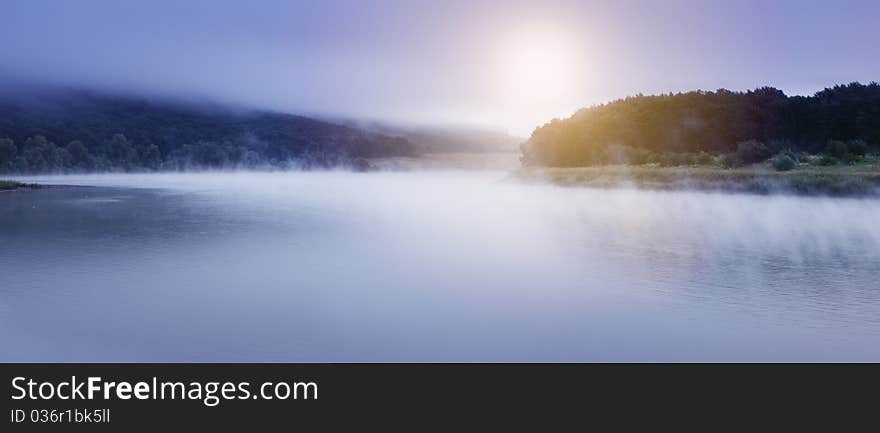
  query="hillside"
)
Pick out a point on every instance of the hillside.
point(62, 131)
point(699, 127)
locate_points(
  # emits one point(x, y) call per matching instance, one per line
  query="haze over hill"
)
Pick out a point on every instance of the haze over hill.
point(446, 138)
point(45, 130)
point(509, 65)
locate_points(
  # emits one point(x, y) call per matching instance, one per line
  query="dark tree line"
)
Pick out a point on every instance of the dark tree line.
point(80, 131)
point(743, 127)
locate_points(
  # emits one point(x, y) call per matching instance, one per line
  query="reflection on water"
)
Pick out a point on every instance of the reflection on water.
point(429, 266)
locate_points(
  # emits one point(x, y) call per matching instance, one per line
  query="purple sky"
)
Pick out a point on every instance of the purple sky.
point(507, 64)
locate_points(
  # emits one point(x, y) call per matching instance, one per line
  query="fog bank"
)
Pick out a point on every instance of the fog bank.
point(430, 266)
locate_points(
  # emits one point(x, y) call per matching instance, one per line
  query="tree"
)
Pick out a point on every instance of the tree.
point(121, 153)
point(119, 133)
point(8, 152)
point(714, 122)
point(80, 157)
point(836, 148)
point(58, 158)
point(35, 152)
point(752, 151)
point(150, 157)
point(210, 155)
point(783, 162)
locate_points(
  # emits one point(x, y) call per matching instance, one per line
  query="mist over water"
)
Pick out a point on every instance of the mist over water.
point(429, 266)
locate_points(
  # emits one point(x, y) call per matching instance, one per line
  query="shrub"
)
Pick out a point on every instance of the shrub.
point(674, 159)
point(827, 160)
point(783, 162)
point(752, 151)
point(851, 158)
point(641, 156)
point(793, 155)
point(729, 160)
point(836, 148)
point(701, 158)
point(857, 147)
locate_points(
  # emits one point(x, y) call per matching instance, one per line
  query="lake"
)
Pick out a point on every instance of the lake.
point(429, 266)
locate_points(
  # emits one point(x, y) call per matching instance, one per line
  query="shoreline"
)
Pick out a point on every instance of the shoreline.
point(836, 181)
point(8, 185)
point(850, 181)
point(11, 185)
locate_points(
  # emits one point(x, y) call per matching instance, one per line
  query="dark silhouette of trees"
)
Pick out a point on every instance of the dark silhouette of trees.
point(42, 155)
point(8, 154)
point(110, 133)
point(80, 158)
point(752, 151)
point(783, 162)
point(746, 127)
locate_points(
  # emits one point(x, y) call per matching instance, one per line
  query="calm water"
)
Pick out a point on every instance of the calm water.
point(429, 266)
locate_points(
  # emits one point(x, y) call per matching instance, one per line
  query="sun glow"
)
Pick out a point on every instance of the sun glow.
point(539, 73)
point(539, 66)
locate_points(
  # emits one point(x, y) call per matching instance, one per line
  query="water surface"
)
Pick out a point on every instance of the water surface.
point(429, 266)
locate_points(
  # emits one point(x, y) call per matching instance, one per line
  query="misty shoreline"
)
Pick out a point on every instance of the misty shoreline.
point(829, 182)
point(8, 185)
point(838, 182)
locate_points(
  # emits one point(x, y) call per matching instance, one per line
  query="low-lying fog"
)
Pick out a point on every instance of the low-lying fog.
point(429, 266)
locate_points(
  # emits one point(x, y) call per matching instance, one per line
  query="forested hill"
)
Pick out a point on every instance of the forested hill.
point(62, 131)
point(644, 129)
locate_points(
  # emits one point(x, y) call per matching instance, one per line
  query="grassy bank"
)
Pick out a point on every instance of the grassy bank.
point(6, 185)
point(858, 180)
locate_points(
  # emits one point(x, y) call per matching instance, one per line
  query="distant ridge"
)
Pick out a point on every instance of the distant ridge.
point(52, 130)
